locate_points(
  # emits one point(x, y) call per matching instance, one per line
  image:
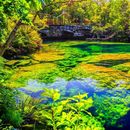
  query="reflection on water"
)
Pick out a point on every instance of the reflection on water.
point(67, 88)
point(111, 105)
point(73, 87)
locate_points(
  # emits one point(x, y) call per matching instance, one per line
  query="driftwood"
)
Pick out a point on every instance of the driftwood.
point(10, 38)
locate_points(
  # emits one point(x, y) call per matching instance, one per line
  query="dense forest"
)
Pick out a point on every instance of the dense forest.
point(111, 17)
point(64, 85)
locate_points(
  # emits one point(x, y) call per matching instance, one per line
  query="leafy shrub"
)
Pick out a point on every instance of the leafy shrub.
point(9, 112)
point(1, 62)
point(27, 40)
point(68, 114)
point(3, 127)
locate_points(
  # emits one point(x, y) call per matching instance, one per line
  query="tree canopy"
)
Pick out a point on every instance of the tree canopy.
point(103, 15)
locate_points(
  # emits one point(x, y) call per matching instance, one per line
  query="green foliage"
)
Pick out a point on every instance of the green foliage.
point(71, 113)
point(9, 112)
point(2, 127)
point(2, 60)
point(72, 56)
point(27, 40)
point(16, 9)
point(110, 109)
point(5, 74)
point(105, 16)
point(70, 62)
point(48, 77)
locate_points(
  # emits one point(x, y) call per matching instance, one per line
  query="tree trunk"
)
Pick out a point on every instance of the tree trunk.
point(109, 37)
point(35, 17)
point(10, 38)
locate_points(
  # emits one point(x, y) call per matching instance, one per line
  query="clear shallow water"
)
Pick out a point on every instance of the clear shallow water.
point(117, 97)
point(73, 87)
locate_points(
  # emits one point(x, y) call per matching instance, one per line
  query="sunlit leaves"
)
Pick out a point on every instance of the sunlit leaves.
point(16, 9)
point(102, 14)
point(51, 93)
point(71, 113)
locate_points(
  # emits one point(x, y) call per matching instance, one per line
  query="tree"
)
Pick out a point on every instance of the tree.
point(18, 11)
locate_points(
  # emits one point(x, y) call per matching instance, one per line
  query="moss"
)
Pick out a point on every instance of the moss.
point(107, 77)
point(103, 57)
point(24, 63)
point(47, 56)
point(123, 67)
point(23, 74)
point(66, 60)
point(12, 62)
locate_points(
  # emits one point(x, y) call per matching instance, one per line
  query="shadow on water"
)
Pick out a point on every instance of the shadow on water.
point(116, 97)
point(104, 48)
point(125, 120)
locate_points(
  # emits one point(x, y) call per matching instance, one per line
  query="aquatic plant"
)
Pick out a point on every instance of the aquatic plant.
point(71, 113)
point(109, 56)
point(42, 72)
point(5, 74)
point(95, 49)
point(48, 56)
point(110, 109)
point(70, 62)
point(125, 67)
point(107, 77)
point(67, 63)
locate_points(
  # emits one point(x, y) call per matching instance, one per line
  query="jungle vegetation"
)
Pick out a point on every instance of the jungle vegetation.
point(25, 56)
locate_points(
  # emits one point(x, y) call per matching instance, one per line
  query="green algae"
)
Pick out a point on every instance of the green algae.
point(64, 59)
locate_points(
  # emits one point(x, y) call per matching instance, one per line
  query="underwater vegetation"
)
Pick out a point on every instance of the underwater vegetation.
point(82, 83)
point(68, 60)
point(100, 109)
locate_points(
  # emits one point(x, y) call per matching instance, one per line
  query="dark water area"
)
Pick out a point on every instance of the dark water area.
point(104, 48)
point(116, 97)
